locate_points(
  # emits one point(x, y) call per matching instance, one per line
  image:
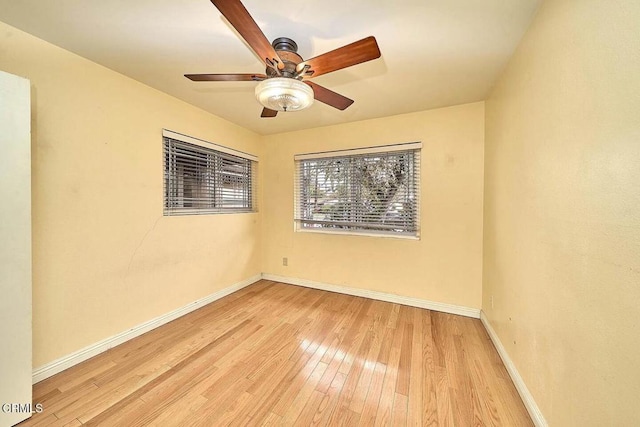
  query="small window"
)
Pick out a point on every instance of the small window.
point(203, 180)
point(363, 191)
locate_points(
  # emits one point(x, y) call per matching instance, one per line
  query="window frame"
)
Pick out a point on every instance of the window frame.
point(214, 164)
point(368, 153)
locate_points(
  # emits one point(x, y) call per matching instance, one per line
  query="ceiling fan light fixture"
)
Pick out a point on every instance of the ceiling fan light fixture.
point(284, 94)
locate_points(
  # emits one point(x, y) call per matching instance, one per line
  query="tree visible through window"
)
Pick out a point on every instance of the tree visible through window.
point(371, 192)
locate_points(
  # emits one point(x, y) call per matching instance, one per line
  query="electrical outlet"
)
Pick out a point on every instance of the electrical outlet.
point(285, 261)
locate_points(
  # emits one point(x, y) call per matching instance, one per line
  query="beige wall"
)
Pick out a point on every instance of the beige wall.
point(104, 257)
point(562, 212)
point(444, 265)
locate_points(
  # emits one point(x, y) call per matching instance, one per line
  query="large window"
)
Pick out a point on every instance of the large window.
point(370, 191)
point(203, 180)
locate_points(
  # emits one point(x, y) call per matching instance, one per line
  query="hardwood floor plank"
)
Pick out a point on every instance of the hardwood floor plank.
point(330, 400)
point(234, 411)
point(216, 405)
point(109, 396)
point(416, 377)
point(399, 414)
point(347, 335)
point(404, 364)
point(132, 410)
point(40, 421)
point(384, 412)
point(271, 420)
point(370, 406)
point(174, 415)
point(54, 402)
point(295, 408)
point(288, 385)
point(463, 389)
point(276, 354)
point(270, 354)
point(310, 414)
point(393, 317)
point(429, 395)
point(84, 371)
point(374, 392)
point(368, 364)
point(353, 368)
point(332, 367)
point(66, 423)
point(346, 318)
point(445, 408)
point(306, 374)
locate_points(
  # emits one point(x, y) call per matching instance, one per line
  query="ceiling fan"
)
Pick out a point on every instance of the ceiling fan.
point(285, 86)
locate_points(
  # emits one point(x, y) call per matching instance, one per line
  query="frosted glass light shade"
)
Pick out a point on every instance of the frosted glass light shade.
point(284, 94)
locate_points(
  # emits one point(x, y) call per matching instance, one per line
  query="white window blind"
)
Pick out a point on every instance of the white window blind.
point(202, 180)
point(371, 191)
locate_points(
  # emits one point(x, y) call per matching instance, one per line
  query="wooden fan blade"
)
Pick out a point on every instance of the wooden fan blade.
point(226, 77)
point(268, 113)
point(330, 97)
point(239, 18)
point(355, 53)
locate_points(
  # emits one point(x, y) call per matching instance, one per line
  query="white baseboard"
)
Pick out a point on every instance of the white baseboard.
point(382, 296)
point(527, 398)
point(76, 357)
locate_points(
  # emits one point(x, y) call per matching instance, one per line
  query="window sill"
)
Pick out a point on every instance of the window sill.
point(190, 212)
point(358, 233)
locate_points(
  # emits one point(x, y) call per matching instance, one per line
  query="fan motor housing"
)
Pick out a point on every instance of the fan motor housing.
point(287, 50)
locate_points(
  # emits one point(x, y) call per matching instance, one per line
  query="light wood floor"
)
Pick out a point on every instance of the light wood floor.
point(276, 354)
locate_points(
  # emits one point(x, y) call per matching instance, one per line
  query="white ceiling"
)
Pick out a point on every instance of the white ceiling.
point(435, 53)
